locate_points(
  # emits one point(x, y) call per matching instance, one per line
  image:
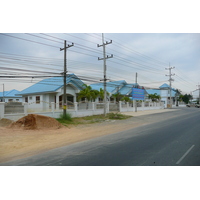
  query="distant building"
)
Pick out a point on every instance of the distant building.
point(10, 96)
point(164, 92)
point(195, 94)
point(114, 87)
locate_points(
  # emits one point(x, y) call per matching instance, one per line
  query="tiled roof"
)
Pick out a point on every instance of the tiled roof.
point(52, 85)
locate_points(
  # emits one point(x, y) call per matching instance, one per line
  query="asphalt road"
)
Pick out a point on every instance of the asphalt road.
point(174, 140)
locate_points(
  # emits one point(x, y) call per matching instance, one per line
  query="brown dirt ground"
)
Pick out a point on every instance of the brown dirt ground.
point(18, 142)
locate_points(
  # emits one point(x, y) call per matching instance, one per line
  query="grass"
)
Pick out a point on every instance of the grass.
point(91, 119)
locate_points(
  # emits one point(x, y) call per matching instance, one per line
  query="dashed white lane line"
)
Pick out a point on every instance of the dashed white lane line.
point(186, 153)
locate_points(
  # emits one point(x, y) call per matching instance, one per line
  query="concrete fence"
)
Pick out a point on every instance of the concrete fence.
point(141, 106)
point(81, 109)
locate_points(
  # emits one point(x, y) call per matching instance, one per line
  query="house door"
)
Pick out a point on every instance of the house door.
point(55, 101)
point(60, 101)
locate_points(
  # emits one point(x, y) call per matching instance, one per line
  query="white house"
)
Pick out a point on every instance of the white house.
point(164, 92)
point(195, 94)
point(10, 96)
point(40, 95)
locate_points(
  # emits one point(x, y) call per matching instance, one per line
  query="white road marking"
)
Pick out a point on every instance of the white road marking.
point(185, 154)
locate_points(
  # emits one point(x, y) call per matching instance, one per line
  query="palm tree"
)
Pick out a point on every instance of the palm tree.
point(154, 97)
point(86, 93)
point(94, 94)
point(101, 93)
point(126, 99)
point(117, 96)
point(89, 94)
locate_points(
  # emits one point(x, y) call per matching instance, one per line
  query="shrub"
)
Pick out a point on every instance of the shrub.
point(116, 116)
point(68, 117)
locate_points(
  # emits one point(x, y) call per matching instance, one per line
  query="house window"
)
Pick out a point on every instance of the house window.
point(30, 98)
point(10, 100)
point(37, 99)
point(26, 99)
point(100, 100)
point(17, 100)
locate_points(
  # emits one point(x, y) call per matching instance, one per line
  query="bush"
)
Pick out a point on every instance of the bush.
point(116, 116)
point(68, 117)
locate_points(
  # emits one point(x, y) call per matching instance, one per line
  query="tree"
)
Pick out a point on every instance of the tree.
point(126, 99)
point(89, 94)
point(186, 98)
point(101, 93)
point(86, 93)
point(94, 94)
point(154, 97)
point(117, 96)
point(180, 98)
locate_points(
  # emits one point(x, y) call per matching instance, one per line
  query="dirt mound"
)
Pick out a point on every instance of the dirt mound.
point(5, 122)
point(33, 121)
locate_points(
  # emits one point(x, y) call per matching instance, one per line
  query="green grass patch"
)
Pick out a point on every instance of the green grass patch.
point(91, 119)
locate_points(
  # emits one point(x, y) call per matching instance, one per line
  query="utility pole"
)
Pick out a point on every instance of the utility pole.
point(3, 92)
point(136, 86)
point(65, 76)
point(170, 82)
point(104, 64)
point(199, 92)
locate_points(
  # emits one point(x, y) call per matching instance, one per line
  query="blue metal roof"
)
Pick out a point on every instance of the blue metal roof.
point(11, 93)
point(153, 91)
point(52, 85)
point(98, 86)
point(112, 87)
point(164, 86)
point(127, 89)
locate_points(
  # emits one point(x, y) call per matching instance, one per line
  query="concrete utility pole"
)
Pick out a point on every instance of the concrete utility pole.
point(3, 92)
point(199, 92)
point(136, 86)
point(170, 82)
point(65, 76)
point(104, 63)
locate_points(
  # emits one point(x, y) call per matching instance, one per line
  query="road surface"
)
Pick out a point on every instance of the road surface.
point(174, 141)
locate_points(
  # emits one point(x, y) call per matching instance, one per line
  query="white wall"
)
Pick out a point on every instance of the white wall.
point(18, 99)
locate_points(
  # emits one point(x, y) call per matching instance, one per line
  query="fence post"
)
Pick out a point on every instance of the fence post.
point(2, 109)
point(108, 107)
point(75, 108)
point(143, 105)
point(25, 108)
point(120, 106)
point(127, 106)
point(53, 108)
point(134, 106)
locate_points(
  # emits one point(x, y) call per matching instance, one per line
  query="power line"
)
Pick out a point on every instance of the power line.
point(28, 40)
point(42, 37)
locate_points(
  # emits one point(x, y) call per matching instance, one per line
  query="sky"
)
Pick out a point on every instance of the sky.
point(148, 54)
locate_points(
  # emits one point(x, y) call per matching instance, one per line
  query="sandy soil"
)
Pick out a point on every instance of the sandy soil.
point(19, 143)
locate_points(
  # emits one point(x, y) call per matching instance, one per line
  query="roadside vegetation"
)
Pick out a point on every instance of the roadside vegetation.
point(68, 120)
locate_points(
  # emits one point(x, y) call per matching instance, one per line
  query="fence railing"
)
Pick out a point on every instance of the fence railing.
point(80, 109)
